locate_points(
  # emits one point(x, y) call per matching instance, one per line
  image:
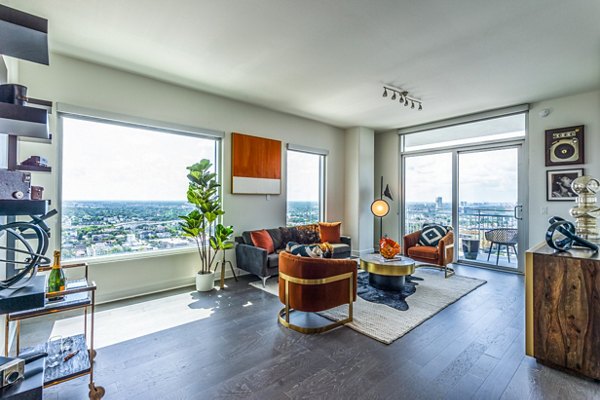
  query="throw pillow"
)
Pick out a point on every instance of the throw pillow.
point(288, 234)
point(263, 240)
point(308, 234)
point(330, 232)
point(431, 234)
point(303, 250)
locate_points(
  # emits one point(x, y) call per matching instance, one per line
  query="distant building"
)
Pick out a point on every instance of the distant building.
point(438, 202)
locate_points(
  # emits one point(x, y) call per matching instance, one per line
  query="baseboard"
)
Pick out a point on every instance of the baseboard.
point(359, 253)
point(159, 288)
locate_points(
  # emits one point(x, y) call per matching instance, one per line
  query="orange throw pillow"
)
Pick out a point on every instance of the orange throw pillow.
point(263, 240)
point(330, 232)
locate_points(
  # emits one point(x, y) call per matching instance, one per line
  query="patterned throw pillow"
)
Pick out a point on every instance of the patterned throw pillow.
point(308, 234)
point(302, 250)
point(288, 234)
point(431, 234)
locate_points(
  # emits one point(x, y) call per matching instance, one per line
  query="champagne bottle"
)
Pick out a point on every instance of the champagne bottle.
point(56, 279)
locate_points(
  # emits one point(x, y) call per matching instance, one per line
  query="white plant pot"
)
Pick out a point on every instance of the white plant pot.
point(205, 282)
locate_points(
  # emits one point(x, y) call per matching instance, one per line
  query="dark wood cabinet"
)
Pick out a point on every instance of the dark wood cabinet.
point(563, 309)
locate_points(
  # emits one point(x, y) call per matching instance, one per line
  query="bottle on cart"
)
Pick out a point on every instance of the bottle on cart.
point(56, 279)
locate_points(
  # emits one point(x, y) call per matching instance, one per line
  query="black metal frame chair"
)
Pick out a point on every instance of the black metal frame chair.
point(508, 237)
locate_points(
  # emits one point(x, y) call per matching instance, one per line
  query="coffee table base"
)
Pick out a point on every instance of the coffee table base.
point(383, 282)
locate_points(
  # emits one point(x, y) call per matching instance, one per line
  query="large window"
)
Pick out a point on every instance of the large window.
point(123, 187)
point(305, 187)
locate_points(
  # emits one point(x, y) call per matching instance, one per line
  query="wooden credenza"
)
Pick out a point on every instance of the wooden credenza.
point(563, 309)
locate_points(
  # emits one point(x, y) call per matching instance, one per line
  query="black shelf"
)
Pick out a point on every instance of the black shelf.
point(35, 168)
point(24, 36)
point(19, 120)
point(31, 296)
point(24, 207)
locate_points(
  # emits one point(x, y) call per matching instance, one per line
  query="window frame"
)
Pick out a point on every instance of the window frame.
point(322, 154)
point(81, 113)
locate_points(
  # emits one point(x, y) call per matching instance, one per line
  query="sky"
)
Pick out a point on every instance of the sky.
point(485, 176)
point(302, 176)
point(112, 162)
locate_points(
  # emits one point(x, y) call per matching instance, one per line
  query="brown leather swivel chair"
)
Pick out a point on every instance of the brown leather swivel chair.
point(315, 284)
point(439, 256)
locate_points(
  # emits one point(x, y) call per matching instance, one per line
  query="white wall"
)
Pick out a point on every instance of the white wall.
point(579, 109)
point(89, 85)
point(387, 164)
point(358, 220)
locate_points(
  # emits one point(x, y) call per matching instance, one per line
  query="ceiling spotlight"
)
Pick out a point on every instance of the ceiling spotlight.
point(403, 96)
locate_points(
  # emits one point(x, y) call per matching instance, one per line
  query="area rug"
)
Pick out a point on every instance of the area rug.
point(386, 324)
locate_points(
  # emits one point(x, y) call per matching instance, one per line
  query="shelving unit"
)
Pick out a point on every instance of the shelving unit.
point(25, 36)
point(80, 294)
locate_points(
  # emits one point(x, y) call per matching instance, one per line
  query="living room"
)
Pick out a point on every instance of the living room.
point(314, 84)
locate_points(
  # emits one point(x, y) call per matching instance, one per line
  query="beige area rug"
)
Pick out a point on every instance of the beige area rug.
point(386, 324)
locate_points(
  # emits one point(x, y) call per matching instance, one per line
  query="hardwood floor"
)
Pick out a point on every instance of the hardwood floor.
point(472, 349)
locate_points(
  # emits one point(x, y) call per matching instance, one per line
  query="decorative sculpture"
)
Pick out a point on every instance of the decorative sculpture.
point(388, 248)
point(586, 210)
point(561, 236)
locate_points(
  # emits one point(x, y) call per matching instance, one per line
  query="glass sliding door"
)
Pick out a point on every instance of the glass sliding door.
point(489, 210)
point(427, 190)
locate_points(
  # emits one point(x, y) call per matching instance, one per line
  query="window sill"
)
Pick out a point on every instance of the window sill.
point(131, 256)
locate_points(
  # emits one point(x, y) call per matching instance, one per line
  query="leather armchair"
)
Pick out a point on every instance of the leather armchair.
point(315, 284)
point(439, 256)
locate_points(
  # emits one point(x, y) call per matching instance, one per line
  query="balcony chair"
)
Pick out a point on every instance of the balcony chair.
point(435, 257)
point(502, 237)
point(315, 284)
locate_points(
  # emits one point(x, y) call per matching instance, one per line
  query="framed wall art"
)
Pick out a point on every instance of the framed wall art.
point(256, 165)
point(558, 184)
point(564, 146)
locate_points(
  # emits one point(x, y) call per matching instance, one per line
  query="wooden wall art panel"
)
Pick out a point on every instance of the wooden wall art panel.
point(256, 165)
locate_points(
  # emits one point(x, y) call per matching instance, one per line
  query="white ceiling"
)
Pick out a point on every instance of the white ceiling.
point(328, 60)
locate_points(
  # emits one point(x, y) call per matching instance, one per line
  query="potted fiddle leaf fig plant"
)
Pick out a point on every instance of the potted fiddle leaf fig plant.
point(201, 222)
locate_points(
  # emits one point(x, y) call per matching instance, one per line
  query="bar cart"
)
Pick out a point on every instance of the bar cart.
point(80, 294)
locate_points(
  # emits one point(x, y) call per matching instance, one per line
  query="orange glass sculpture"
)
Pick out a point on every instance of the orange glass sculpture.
point(388, 248)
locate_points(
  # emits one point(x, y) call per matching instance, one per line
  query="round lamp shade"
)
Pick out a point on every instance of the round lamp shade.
point(380, 208)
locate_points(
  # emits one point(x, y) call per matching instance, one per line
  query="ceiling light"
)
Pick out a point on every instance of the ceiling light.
point(403, 96)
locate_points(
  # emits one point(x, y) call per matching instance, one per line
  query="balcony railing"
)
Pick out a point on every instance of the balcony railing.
point(473, 223)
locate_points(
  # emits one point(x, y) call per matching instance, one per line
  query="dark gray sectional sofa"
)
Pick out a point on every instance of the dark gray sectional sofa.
point(256, 260)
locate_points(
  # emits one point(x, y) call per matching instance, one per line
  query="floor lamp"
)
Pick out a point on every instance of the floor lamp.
point(380, 208)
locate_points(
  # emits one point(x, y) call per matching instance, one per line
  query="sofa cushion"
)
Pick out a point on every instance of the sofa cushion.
point(277, 239)
point(423, 252)
point(308, 234)
point(340, 250)
point(330, 232)
point(288, 234)
point(247, 238)
point(263, 240)
point(431, 234)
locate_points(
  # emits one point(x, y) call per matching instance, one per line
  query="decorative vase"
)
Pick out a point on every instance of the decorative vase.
point(388, 248)
point(205, 282)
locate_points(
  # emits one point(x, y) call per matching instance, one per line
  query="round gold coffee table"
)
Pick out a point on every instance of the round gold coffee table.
point(387, 274)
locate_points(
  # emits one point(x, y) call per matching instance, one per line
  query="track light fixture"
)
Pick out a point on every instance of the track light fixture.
point(404, 97)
